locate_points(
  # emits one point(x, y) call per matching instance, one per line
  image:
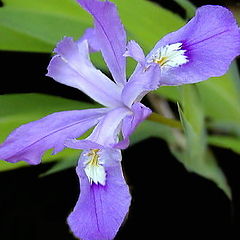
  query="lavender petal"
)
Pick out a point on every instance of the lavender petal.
point(30, 141)
point(211, 40)
point(72, 66)
point(140, 113)
point(100, 210)
point(110, 35)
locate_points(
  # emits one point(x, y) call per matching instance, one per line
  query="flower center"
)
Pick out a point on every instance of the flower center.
point(94, 169)
point(169, 56)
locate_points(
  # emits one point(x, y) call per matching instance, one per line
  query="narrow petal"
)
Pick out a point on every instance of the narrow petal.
point(90, 36)
point(135, 51)
point(140, 113)
point(100, 209)
point(211, 40)
point(105, 133)
point(30, 141)
point(140, 83)
point(72, 66)
point(110, 35)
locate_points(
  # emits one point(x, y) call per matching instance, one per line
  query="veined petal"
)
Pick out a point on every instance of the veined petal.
point(72, 66)
point(140, 113)
point(110, 35)
point(105, 134)
point(100, 209)
point(30, 141)
point(135, 51)
point(140, 83)
point(209, 42)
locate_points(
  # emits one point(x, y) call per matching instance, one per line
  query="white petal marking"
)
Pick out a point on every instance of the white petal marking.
point(94, 168)
point(169, 56)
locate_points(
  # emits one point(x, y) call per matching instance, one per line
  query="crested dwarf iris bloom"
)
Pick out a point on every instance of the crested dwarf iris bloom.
point(201, 49)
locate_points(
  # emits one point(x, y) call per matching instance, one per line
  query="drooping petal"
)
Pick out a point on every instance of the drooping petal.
point(105, 133)
point(140, 83)
point(110, 35)
point(135, 51)
point(211, 40)
point(90, 36)
point(140, 113)
point(72, 66)
point(100, 209)
point(30, 141)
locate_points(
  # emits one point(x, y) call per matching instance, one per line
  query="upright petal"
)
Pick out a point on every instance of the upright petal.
point(140, 113)
point(135, 51)
point(105, 134)
point(30, 141)
point(100, 209)
point(110, 35)
point(72, 66)
point(90, 36)
point(140, 83)
point(206, 45)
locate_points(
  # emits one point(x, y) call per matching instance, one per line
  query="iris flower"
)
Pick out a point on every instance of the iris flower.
point(203, 48)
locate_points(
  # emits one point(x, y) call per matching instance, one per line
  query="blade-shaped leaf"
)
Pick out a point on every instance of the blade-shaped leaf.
point(196, 157)
point(231, 143)
point(38, 25)
point(220, 100)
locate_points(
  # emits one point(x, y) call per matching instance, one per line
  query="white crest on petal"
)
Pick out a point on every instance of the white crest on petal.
point(169, 56)
point(94, 168)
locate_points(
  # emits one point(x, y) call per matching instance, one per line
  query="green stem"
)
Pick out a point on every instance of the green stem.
point(154, 117)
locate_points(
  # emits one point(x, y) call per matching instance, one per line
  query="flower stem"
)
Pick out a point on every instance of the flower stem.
point(155, 117)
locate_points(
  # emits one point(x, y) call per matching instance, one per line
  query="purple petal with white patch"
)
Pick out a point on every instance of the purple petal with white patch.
point(203, 48)
point(72, 66)
point(30, 141)
point(110, 35)
point(101, 207)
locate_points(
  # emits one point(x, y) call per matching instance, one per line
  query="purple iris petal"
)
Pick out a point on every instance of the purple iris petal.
point(90, 36)
point(106, 132)
point(30, 141)
point(135, 51)
point(140, 83)
point(72, 66)
point(110, 35)
point(140, 113)
point(100, 209)
point(211, 40)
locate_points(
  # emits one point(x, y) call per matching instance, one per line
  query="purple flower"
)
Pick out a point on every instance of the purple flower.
point(201, 49)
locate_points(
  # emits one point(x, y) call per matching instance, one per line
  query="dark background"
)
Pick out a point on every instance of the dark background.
point(167, 200)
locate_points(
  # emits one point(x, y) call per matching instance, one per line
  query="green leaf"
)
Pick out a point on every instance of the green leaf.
point(37, 25)
point(188, 6)
point(196, 157)
point(220, 100)
point(63, 164)
point(149, 129)
point(231, 143)
point(169, 92)
point(17, 109)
